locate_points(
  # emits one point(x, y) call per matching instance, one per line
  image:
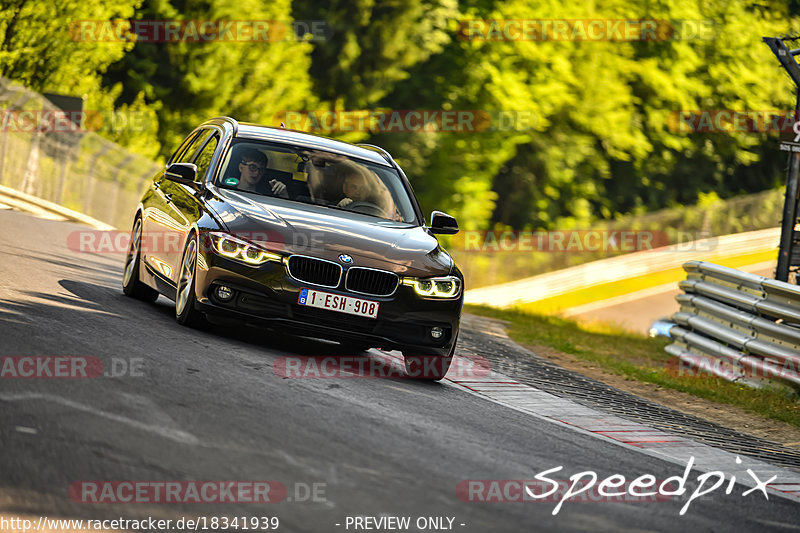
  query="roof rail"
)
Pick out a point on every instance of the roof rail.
point(231, 121)
point(386, 155)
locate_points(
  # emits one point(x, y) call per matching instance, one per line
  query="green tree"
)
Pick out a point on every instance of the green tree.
point(188, 81)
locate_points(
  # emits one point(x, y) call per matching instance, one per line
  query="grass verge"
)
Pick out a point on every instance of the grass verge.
point(640, 358)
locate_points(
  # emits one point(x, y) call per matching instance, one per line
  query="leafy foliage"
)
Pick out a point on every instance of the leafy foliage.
point(602, 141)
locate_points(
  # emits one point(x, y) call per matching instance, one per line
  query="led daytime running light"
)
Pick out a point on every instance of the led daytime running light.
point(244, 251)
point(435, 287)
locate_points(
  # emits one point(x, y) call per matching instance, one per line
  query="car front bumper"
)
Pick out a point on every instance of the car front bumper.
point(267, 295)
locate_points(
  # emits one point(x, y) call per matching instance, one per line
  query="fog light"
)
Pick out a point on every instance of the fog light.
point(437, 332)
point(224, 293)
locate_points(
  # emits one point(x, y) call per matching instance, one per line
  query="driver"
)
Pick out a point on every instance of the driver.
point(252, 166)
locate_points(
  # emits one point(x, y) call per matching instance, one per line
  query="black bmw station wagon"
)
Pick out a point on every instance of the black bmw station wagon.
point(289, 230)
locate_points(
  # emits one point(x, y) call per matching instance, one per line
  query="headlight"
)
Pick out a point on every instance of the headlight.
point(241, 250)
point(442, 287)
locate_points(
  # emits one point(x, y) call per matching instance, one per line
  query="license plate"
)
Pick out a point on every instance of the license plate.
point(337, 302)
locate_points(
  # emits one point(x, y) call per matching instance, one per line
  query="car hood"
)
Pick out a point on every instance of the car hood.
point(317, 231)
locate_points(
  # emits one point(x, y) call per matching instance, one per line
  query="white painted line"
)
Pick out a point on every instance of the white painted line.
point(166, 432)
point(29, 201)
point(32, 209)
point(24, 429)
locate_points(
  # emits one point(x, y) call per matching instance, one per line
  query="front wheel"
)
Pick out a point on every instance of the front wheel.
point(185, 312)
point(429, 367)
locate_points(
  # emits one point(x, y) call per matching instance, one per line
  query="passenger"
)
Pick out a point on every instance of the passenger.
point(355, 189)
point(367, 187)
point(336, 180)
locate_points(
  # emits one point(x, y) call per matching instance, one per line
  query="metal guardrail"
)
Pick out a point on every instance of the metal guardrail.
point(79, 170)
point(738, 326)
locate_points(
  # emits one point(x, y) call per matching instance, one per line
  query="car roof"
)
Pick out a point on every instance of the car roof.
point(248, 130)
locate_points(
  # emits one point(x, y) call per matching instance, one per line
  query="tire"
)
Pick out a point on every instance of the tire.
point(185, 311)
point(428, 367)
point(131, 285)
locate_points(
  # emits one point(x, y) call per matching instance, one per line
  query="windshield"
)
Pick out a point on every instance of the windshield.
point(316, 177)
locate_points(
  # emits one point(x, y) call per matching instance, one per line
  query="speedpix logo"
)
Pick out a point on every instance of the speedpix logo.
point(587, 486)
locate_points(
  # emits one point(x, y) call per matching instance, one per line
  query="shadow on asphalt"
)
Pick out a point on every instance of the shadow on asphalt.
point(274, 343)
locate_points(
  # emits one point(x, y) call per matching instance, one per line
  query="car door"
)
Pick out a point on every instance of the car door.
point(185, 204)
point(160, 217)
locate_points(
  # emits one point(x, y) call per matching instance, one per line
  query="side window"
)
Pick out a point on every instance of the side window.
point(204, 159)
point(182, 148)
point(188, 154)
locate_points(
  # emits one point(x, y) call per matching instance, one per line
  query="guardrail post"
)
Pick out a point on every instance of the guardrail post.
point(88, 187)
point(4, 143)
point(31, 176)
point(117, 180)
point(62, 179)
point(787, 60)
point(789, 220)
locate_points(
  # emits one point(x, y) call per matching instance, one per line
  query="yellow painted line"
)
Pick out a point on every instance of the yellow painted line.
point(651, 291)
point(664, 278)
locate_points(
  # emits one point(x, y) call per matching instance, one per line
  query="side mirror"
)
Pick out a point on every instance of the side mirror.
point(443, 224)
point(185, 174)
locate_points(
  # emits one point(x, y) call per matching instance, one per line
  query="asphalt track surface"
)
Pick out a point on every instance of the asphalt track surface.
point(207, 405)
